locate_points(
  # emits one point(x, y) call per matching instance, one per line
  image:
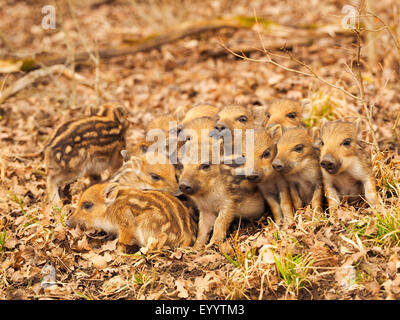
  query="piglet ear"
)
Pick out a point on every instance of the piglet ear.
point(315, 134)
point(323, 123)
point(275, 131)
point(92, 110)
point(306, 108)
point(180, 112)
point(358, 125)
point(359, 128)
point(136, 163)
point(125, 155)
point(110, 193)
point(260, 114)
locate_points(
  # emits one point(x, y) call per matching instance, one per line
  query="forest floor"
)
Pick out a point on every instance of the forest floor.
point(353, 253)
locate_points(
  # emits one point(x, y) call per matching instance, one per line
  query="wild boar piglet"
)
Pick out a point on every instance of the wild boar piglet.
point(218, 196)
point(286, 112)
point(258, 170)
point(85, 146)
point(150, 219)
point(346, 169)
point(148, 171)
point(298, 161)
point(199, 111)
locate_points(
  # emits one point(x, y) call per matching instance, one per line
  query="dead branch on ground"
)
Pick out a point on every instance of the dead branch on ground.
point(181, 31)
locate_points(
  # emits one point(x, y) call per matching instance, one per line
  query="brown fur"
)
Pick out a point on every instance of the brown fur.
point(288, 113)
point(171, 127)
point(218, 196)
point(200, 111)
point(233, 121)
point(347, 171)
point(235, 117)
point(150, 219)
point(85, 147)
point(271, 184)
point(163, 122)
point(298, 161)
point(150, 171)
point(141, 147)
point(160, 135)
point(194, 129)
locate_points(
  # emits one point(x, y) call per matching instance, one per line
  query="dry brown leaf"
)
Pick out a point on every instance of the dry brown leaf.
point(182, 288)
point(371, 229)
point(209, 258)
point(203, 284)
point(267, 254)
point(98, 261)
point(108, 246)
point(82, 244)
point(373, 287)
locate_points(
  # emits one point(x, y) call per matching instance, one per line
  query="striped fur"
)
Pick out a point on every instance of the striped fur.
point(200, 111)
point(151, 219)
point(138, 172)
point(350, 175)
point(271, 184)
point(218, 195)
point(286, 112)
point(235, 117)
point(298, 162)
point(85, 146)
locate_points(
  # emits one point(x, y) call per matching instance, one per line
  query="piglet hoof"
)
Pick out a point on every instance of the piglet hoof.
point(213, 242)
point(121, 248)
point(198, 245)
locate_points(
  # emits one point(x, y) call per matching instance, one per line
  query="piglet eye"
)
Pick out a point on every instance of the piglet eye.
point(205, 166)
point(242, 119)
point(299, 148)
point(268, 115)
point(292, 115)
point(155, 177)
point(321, 143)
point(346, 142)
point(143, 148)
point(266, 154)
point(87, 205)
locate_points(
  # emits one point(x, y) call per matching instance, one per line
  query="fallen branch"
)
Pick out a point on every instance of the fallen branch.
point(35, 75)
point(184, 30)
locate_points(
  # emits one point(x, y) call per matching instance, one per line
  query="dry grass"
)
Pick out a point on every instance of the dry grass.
point(350, 254)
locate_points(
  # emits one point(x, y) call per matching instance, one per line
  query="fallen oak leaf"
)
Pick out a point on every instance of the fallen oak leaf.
point(98, 261)
point(81, 245)
point(181, 288)
point(177, 254)
point(108, 246)
point(203, 284)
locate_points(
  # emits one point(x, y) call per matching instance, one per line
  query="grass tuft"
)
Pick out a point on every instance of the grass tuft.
point(294, 271)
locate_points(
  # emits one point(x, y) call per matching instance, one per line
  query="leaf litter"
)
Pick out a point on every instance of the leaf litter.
point(347, 255)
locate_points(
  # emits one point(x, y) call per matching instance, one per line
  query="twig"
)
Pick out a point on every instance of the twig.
point(176, 33)
point(312, 73)
point(35, 75)
point(93, 56)
point(70, 48)
point(360, 79)
point(100, 3)
point(370, 38)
